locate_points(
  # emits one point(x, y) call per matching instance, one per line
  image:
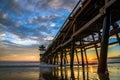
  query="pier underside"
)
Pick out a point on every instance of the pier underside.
point(89, 26)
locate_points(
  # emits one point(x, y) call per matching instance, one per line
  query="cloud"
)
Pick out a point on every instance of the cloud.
point(4, 16)
point(1, 35)
point(25, 42)
point(17, 40)
point(56, 4)
point(26, 24)
point(42, 17)
point(48, 38)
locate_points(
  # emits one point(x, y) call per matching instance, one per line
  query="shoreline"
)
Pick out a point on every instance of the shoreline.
point(45, 65)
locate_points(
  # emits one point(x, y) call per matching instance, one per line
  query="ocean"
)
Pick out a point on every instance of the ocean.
point(32, 71)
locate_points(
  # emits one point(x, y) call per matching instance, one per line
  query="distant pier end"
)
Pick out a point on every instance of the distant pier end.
point(42, 51)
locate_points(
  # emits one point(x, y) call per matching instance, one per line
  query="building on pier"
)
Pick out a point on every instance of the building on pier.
point(42, 50)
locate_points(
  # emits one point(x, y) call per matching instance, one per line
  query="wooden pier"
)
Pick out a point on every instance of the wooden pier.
point(89, 25)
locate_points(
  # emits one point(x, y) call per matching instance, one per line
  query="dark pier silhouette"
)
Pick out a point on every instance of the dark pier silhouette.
point(89, 25)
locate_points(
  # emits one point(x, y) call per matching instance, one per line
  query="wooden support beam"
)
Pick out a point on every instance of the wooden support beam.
point(115, 26)
point(99, 36)
point(57, 58)
point(47, 61)
point(86, 56)
point(89, 47)
point(68, 30)
point(82, 59)
point(77, 57)
point(61, 71)
point(114, 31)
point(61, 58)
point(65, 73)
point(64, 58)
point(72, 53)
point(89, 44)
point(51, 60)
point(95, 45)
point(54, 59)
point(102, 66)
point(83, 65)
point(72, 74)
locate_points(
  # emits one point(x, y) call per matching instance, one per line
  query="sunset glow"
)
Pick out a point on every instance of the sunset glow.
point(20, 58)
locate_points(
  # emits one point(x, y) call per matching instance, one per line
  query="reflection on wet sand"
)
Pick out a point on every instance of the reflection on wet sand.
point(75, 73)
point(59, 73)
point(104, 76)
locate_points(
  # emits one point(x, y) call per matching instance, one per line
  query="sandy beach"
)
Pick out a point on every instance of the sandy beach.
point(57, 73)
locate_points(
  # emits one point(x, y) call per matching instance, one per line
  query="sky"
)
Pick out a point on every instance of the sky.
point(27, 24)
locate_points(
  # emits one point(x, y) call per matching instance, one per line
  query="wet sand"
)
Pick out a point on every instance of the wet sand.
point(57, 73)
